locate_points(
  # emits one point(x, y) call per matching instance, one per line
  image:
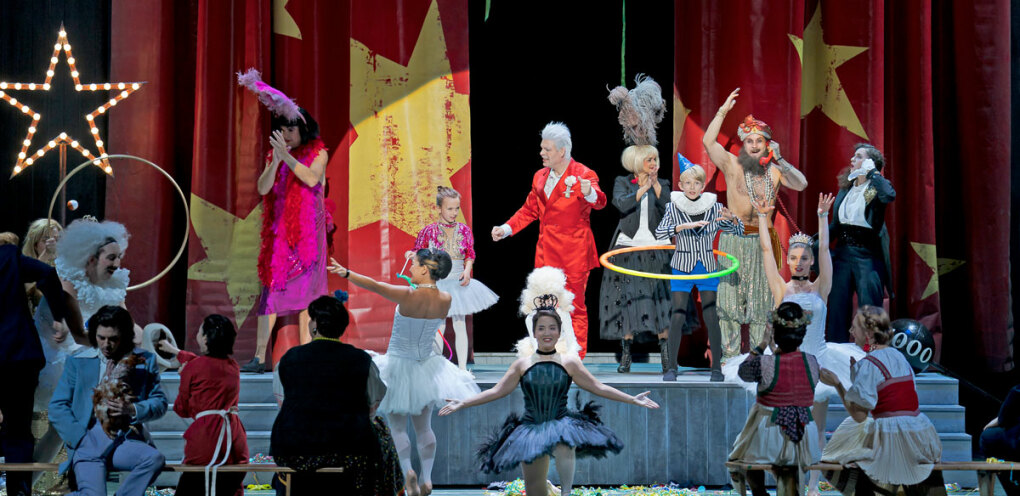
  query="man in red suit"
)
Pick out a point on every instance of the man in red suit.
point(563, 194)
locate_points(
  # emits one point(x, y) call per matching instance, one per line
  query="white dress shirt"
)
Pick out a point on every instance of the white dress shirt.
point(851, 211)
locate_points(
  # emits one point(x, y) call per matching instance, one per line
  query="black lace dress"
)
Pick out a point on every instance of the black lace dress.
point(547, 422)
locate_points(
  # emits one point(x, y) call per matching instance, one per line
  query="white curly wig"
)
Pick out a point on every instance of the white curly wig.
point(83, 239)
point(558, 133)
point(548, 281)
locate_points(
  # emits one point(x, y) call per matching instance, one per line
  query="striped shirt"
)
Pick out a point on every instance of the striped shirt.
point(694, 245)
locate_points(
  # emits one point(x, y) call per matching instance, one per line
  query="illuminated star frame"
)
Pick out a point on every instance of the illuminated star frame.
point(99, 157)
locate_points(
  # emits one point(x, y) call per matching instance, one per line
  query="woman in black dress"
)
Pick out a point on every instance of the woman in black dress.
point(548, 428)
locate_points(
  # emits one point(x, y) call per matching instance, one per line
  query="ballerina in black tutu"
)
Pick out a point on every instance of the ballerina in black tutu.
point(548, 428)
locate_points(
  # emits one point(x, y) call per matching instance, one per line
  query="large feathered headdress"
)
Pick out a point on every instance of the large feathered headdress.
point(275, 100)
point(547, 286)
point(641, 110)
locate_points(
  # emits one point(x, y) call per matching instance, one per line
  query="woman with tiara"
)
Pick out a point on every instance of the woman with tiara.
point(468, 294)
point(545, 369)
point(811, 296)
point(417, 379)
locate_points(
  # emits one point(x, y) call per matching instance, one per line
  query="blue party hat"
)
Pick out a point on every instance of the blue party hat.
point(684, 163)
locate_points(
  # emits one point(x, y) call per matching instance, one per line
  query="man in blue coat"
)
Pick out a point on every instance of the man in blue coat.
point(90, 450)
point(21, 354)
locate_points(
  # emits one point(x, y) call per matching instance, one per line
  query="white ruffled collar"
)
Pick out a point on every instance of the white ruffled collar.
point(92, 297)
point(700, 206)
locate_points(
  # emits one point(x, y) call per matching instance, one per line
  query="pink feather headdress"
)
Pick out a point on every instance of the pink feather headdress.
point(275, 100)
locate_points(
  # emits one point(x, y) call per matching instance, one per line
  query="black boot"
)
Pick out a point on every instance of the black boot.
point(254, 367)
point(664, 354)
point(625, 358)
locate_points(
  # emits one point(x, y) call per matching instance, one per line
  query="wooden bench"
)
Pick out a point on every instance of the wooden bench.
point(787, 483)
point(284, 472)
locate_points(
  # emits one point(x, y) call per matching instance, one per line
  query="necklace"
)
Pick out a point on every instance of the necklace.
point(799, 278)
point(433, 286)
point(751, 180)
point(323, 338)
point(546, 353)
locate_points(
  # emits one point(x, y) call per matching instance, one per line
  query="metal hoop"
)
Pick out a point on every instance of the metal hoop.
point(184, 199)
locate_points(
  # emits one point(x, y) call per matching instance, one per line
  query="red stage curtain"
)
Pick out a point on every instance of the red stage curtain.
point(411, 88)
point(229, 139)
point(873, 72)
point(151, 42)
point(410, 132)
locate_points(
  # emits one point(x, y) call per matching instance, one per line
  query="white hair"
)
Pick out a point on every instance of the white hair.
point(558, 133)
point(83, 239)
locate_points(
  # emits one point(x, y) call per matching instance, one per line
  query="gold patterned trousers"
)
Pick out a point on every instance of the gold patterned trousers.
point(744, 296)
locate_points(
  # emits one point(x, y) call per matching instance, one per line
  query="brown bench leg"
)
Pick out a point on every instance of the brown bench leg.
point(986, 483)
point(787, 481)
point(739, 478)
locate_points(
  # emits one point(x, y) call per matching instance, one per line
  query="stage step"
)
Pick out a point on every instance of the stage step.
point(946, 418)
point(680, 442)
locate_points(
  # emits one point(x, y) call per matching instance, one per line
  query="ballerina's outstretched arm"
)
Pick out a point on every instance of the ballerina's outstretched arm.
point(776, 283)
point(391, 292)
point(824, 281)
point(586, 381)
point(505, 386)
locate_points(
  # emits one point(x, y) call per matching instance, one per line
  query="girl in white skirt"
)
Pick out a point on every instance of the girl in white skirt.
point(469, 295)
point(896, 445)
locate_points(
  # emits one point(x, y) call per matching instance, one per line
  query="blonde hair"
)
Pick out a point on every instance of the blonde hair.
point(37, 230)
point(634, 156)
point(697, 173)
point(444, 192)
point(875, 323)
point(8, 238)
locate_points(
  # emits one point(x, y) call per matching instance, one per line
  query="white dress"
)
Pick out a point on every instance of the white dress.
point(831, 356)
point(415, 376)
point(466, 300)
point(890, 450)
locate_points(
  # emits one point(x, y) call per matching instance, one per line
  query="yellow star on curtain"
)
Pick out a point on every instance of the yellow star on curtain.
point(231, 246)
point(413, 131)
point(821, 87)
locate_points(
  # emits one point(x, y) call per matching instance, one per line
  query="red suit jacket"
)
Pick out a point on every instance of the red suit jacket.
point(565, 239)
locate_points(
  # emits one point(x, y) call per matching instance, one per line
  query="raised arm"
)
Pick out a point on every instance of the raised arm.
point(776, 283)
point(502, 388)
point(824, 282)
point(391, 292)
point(789, 176)
point(308, 174)
point(624, 198)
point(268, 176)
point(719, 156)
point(588, 382)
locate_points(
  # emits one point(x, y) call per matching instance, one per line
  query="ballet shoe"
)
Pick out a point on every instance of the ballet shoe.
point(425, 489)
point(411, 484)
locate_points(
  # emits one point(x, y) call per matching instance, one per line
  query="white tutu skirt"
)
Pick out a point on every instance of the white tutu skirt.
point(762, 441)
point(467, 300)
point(833, 356)
point(894, 450)
point(412, 385)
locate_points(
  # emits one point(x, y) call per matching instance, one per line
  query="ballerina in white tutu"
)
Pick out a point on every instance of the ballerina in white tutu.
point(417, 379)
point(811, 296)
point(469, 295)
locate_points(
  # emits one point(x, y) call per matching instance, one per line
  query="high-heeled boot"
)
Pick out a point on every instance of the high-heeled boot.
point(625, 358)
point(664, 354)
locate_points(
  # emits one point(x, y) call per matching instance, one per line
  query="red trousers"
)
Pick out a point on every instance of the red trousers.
point(577, 282)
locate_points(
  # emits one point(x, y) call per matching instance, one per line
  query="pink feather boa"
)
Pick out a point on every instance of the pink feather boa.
point(289, 212)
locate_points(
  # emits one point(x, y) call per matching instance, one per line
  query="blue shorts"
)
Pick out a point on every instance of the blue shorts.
point(687, 285)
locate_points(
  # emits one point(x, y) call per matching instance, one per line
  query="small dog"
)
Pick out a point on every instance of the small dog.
point(112, 390)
